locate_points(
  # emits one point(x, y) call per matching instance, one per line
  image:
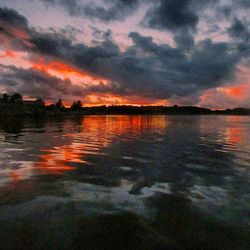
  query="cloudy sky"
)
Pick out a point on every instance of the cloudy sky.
point(185, 52)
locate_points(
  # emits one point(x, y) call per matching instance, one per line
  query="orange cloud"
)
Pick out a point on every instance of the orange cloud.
point(111, 99)
point(53, 67)
point(15, 58)
point(226, 97)
point(15, 36)
point(57, 66)
point(65, 70)
point(9, 54)
point(238, 91)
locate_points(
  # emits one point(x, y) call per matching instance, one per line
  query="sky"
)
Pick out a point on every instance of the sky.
point(139, 52)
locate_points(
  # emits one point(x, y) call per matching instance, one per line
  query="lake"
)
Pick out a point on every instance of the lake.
point(125, 182)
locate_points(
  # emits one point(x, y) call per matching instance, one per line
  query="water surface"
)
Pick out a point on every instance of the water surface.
point(97, 165)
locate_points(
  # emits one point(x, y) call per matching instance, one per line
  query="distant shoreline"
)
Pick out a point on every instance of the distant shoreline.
point(22, 110)
point(14, 105)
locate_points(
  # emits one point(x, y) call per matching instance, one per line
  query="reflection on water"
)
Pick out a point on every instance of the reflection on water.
point(182, 151)
point(123, 160)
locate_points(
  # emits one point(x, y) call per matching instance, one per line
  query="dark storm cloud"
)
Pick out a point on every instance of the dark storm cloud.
point(211, 64)
point(69, 31)
point(37, 83)
point(168, 71)
point(14, 30)
point(78, 54)
point(233, 8)
point(243, 3)
point(240, 32)
point(145, 69)
point(16, 33)
point(181, 17)
point(32, 82)
point(109, 10)
point(184, 40)
point(174, 14)
point(100, 34)
point(117, 11)
point(50, 43)
point(10, 16)
point(73, 7)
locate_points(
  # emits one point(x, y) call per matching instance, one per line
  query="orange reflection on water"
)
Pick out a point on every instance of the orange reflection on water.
point(234, 133)
point(15, 176)
point(17, 184)
point(105, 129)
point(79, 138)
point(52, 163)
point(24, 171)
point(91, 136)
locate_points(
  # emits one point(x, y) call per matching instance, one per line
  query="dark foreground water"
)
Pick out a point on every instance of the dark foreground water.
point(125, 182)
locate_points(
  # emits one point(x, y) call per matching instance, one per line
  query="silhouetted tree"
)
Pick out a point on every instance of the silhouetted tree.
point(76, 105)
point(16, 98)
point(40, 102)
point(6, 98)
point(59, 104)
point(51, 106)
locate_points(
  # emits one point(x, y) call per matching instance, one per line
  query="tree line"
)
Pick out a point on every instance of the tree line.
point(17, 105)
point(17, 98)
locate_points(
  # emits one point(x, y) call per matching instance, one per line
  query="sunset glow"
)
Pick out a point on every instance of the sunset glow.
point(122, 121)
point(140, 57)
